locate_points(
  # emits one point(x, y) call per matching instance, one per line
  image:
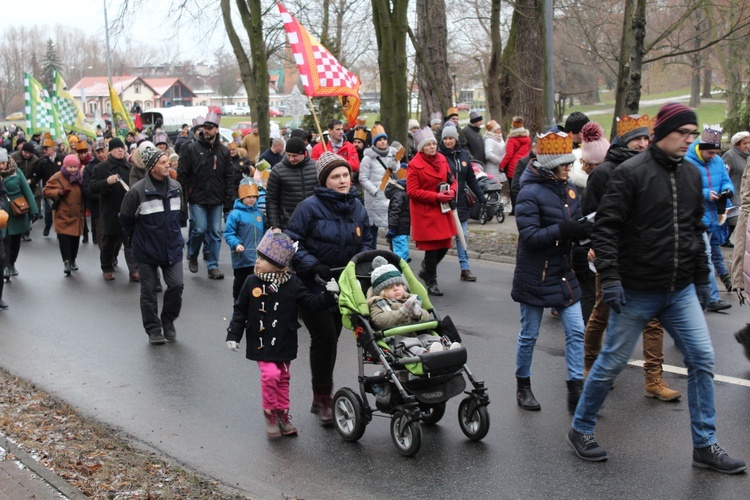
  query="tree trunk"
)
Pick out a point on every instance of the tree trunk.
point(707, 81)
point(433, 72)
point(522, 66)
point(633, 99)
point(390, 31)
point(696, 62)
point(493, 70)
point(623, 60)
point(254, 75)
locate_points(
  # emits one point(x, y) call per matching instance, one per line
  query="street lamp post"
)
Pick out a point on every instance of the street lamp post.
point(455, 90)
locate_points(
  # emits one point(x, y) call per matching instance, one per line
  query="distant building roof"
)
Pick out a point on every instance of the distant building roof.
point(96, 86)
point(162, 85)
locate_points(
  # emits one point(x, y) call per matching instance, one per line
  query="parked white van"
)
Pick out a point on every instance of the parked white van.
point(172, 118)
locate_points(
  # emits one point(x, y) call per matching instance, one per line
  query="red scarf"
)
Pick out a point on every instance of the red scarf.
point(432, 160)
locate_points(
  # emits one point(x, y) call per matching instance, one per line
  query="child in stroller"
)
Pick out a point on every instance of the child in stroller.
point(392, 305)
point(411, 389)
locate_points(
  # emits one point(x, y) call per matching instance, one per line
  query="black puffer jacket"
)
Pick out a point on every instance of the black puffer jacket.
point(544, 274)
point(205, 172)
point(460, 165)
point(648, 231)
point(474, 143)
point(399, 216)
point(110, 195)
point(287, 186)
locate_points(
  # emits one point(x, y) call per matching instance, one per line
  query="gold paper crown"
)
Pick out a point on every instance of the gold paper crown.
point(247, 189)
point(360, 134)
point(377, 130)
point(554, 143)
point(401, 173)
point(452, 111)
point(627, 124)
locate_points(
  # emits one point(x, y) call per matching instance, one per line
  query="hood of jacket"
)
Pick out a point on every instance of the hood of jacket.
point(238, 205)
point(618, 153)
point(518, 132)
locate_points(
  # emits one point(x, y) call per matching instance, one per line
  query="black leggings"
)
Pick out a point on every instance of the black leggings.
point(324, 328)
point(240, 275)
point(431, 260)
point(68, 247)
point(12, 247)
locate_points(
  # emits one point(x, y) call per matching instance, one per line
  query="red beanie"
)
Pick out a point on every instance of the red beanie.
point(672, 116)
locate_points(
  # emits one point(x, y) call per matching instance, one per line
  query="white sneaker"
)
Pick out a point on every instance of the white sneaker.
point(436, 347)
point(454, 345)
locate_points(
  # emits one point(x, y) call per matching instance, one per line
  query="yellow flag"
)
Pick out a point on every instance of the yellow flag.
point(122, 121)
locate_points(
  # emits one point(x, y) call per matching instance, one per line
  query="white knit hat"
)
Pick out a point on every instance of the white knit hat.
point(384, 275)
point(738, 137)
point(423, 137)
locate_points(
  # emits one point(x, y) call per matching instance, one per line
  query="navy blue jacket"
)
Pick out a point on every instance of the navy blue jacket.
point(460, 164)
point(331, 228)
point(544, 274)
point(151, 219)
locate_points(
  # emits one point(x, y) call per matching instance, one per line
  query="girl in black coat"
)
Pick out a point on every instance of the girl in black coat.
point(547, 214)
point(267, 311)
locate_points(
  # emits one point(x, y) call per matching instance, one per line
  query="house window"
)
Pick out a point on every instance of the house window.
point(137, 88)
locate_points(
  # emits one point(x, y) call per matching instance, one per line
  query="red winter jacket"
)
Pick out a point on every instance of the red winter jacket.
point(430, 228)
point(517, 146)
point(347, 151)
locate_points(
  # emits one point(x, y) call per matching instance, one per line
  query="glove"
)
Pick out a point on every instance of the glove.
point(390, 234)
point(613, 295)
point(417, 309)
point(446, 196)
point(575, 230)
point(740, 295)
point(408, 308)
point(332, 286)
point(232, 345)
point(63, 192)
point(323, 271)
point(704, 294)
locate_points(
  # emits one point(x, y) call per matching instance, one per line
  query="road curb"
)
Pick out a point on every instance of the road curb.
point(55, 481)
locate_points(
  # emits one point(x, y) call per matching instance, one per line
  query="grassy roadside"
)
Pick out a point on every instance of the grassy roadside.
point(97, 460)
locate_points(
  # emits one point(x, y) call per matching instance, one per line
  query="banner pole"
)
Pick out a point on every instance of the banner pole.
point(317, 124)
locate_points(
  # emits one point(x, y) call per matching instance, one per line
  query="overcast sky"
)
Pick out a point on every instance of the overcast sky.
point(152, 26)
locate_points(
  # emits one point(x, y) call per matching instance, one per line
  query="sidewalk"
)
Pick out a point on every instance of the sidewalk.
point(22, 477)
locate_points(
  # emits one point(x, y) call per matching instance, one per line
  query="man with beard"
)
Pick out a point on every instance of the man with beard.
point(109, 181)
point(205, 172)
point(290, 182)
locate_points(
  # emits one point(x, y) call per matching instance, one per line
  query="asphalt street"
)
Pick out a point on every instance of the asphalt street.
point(81, 339)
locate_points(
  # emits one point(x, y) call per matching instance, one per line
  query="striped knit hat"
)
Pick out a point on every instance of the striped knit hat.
point(672, 116)
point(384, 275)
point(326, 163)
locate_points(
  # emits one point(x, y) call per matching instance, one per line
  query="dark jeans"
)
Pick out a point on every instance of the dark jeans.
point(374, 232)
point(47, 214)
point(109, 249)
point(587, 282)
point(172, 304)
point(12, 247)
point(324, 328)
point(240, 275)
point(68, 247)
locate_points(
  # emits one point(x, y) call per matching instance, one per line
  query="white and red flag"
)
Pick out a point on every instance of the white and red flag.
point(321, 73)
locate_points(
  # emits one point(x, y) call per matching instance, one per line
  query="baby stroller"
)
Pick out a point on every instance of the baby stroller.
point(491, 189)
point(411, 390)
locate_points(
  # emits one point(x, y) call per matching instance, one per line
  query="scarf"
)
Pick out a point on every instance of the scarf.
point(72, 178)
point(381, 152)
point(494, 135)
point(276, 279)
point(433, 161)
point(740, 152)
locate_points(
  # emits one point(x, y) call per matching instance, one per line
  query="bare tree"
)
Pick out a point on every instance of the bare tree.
point(431, 47)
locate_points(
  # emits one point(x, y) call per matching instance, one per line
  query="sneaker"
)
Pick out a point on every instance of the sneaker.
point(658, 388)
point(714, 457)
point(109, 276)
point(156, 338)
point(170, 333)
point(436, 347)
point(455, 345)
point(215, 274)
point(585, 446)
point(193, 264)
point(718, 305)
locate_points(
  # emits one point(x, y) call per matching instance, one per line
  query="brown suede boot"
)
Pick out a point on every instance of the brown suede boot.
point(272, 424)
point(323, 401)
point(658, 388)
point(285, 424)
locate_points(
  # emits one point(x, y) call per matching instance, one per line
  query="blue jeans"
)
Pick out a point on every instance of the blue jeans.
point(400, 245)
point(205, 219)
point(572, 320)
point(681, 315)
point(463, 257)
point(717, 259)
point(712, 286)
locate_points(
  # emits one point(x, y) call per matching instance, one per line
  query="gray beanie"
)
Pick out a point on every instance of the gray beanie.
point(449, 131)
point(3, 155)
point(384, 275)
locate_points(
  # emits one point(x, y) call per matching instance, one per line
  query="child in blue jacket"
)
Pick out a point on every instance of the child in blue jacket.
point(243, 231)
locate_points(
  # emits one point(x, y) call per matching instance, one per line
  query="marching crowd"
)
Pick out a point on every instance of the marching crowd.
point(623, 237)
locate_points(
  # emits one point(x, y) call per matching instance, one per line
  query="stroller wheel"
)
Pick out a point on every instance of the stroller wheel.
point(431, 414)
point(349, 414)
point(473, 419)
point(501, 214)
point(407, 436)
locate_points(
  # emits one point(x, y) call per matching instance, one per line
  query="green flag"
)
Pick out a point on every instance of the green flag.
point(69, 112)
point(41, 114)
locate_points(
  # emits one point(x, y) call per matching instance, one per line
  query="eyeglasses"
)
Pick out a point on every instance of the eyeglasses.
point(686, 132)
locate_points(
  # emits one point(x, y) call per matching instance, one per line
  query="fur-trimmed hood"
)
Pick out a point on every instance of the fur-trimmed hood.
point(518, 132)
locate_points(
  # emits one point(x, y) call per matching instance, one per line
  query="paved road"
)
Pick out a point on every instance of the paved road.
point(81, 339)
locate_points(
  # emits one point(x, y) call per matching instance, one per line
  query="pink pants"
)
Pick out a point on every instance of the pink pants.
point(274, 385)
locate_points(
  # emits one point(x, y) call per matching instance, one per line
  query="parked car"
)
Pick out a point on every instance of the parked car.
point(373, 107)
point(18, 115)
point(242, 110)
point(244, 127)
point(275, 112)
point(463, 106)
point(228, 109)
